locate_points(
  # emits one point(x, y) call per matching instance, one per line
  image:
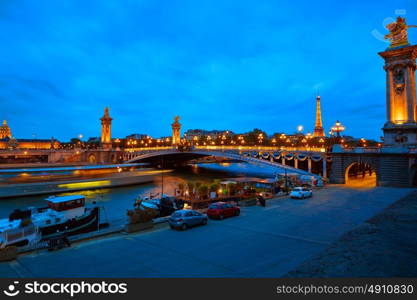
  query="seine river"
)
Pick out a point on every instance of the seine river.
point(117, 200)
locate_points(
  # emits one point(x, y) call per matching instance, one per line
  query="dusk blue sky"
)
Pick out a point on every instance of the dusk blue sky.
point(219, 64)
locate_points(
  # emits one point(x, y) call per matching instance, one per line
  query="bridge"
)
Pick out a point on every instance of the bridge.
point(294, 161)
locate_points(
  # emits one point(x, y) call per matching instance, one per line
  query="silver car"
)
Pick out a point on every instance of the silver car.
point(186, 218)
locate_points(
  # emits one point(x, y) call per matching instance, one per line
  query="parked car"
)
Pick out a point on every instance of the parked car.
point(221, 210)
point(186, 218)
point(301, 192)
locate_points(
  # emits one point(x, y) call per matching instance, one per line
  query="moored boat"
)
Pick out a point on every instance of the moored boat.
point(65, 215)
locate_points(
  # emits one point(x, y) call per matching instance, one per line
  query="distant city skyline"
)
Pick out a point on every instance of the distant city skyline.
point(218, 64)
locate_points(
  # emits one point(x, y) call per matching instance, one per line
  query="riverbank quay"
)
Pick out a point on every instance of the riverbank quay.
point(262, 242)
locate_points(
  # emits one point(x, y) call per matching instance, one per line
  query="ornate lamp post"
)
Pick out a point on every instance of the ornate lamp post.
point(338, 128)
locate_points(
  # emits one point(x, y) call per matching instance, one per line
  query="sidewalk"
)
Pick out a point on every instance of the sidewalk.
point(383, 246)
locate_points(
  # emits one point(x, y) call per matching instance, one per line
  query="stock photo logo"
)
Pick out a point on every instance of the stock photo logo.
point(12, 290)
point(66, 288)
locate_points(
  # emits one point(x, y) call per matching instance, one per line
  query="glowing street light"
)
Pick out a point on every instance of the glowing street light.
point(300, 128)
point(338, 128)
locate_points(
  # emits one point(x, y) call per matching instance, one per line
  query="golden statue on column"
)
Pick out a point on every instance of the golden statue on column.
point(106, 129)
point(176, 131)
point(398, 33)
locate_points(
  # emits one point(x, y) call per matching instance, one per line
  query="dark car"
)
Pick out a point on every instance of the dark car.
point(221, 210)
point(186, 218)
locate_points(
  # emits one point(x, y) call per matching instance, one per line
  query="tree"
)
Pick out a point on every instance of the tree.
point(231, 188)
point(198, 184)
point(256, 137)
point(75, 140)
point(203, 191)
point(190, 187)
point(214, 187)
point(181, 187)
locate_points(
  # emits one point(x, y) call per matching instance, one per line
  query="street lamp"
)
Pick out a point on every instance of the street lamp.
point(300, 128)
point(338, 128)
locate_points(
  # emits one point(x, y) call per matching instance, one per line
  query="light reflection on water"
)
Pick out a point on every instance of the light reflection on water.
point(117, 200)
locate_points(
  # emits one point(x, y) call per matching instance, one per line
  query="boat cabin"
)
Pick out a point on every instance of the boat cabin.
point(65, 202)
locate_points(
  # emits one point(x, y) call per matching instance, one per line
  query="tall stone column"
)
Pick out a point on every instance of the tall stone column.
point(176, 131)
point(106, 130)
point(324, 167)
point(295, 163)
point(400, 128)
point(283, 161)
point(309, 164)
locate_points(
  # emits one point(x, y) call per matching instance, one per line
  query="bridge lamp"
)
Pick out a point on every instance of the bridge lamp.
point(338, 128)
point(300, 128)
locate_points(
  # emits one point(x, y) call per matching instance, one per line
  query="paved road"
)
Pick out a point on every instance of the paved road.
point(262, 242)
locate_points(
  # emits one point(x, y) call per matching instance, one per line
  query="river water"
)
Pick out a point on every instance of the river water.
point(117, 200)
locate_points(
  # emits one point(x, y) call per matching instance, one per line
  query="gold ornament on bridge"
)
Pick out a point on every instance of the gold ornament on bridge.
point(398, 33)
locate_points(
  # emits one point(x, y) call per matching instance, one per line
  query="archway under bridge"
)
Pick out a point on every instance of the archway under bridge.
point(360, 174)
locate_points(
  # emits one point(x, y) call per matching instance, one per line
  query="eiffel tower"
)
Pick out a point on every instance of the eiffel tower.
point(318, 128)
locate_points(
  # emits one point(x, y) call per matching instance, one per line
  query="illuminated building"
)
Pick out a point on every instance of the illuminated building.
point(106, 129)
point(40, 144)
point(196, 134)
point(5, 131)
point(318, 127)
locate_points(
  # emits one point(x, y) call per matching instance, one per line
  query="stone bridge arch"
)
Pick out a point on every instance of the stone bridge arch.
point(188, 155)
point(347, 167)
point(361, 173)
